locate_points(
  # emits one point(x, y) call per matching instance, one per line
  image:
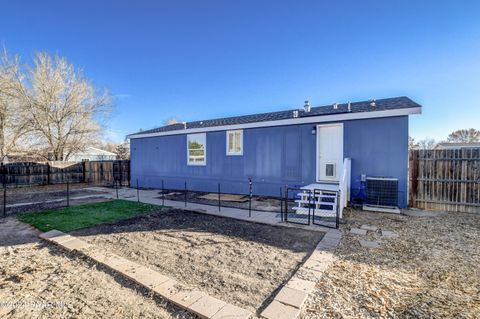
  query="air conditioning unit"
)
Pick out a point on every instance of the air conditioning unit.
point(382, 194)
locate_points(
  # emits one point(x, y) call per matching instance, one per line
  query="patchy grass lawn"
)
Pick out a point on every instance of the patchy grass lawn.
point(88, 215)
point(430, 271)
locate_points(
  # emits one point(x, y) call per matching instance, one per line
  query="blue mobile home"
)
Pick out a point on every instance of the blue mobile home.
point(295, 147)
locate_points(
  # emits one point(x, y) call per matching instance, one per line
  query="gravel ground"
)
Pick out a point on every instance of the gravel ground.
point(430, 271)
point(39, 280)
point(239, 262)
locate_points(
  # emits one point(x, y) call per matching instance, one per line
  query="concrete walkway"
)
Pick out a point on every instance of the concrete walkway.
point(153, 197)
point(14, 232)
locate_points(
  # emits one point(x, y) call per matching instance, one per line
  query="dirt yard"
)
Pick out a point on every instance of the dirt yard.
point(34, 198)
point(430, 271)
point(260, 203)
point(38, 280)
point(238, 262)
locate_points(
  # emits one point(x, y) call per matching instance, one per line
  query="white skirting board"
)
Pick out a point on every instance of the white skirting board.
point(382, 209)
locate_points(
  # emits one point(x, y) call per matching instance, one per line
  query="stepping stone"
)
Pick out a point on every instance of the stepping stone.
point(358, 231)
point(291, 297)
point(369, 243)
point(389, 234)
point(300, 284)
point(207, 307)
point(167, 289)
point(186, 298)
point(320, 255)
point(369, 227)
point(278, 310)
point(316, 265)
point(75, 244)
point(51, 234)
point(232, 312)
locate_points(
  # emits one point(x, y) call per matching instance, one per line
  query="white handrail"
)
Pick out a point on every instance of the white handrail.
point(345, 184)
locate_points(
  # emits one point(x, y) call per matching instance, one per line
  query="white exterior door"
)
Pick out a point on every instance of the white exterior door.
point(329, 152)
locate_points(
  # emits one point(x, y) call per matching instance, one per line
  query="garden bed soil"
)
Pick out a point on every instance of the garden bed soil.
point(260, 203)
point(39, 280)
point(239, 262)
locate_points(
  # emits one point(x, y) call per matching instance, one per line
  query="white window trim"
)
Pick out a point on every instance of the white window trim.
point(204, 163)
point(241, 142)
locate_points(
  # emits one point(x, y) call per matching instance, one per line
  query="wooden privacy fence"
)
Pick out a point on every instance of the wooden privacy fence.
point(445, 180)
point(94, 172)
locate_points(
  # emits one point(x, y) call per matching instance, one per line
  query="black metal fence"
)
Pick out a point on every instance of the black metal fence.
point(14, 200)
point(242, 200)
point(292, 205)
point(311, 206)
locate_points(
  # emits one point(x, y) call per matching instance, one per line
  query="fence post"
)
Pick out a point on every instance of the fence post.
point(4, 175)
point(185, 194)
point(84, 175)
point(250, 196)
point(337, 219)
point(68, 193)
point(163, 194)
point(219, 202)
point(309, 205)
point(48, 173)
point(138, 193)
point(116, 187)
point(286, 203)
point(281, 204)
point(4, 182)
point(4, 200)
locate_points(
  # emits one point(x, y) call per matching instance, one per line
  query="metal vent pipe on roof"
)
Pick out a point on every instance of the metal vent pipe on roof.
point(307, 108)
point(349, 107)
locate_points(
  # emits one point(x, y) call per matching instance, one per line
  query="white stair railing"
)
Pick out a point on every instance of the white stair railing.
point(345, 184)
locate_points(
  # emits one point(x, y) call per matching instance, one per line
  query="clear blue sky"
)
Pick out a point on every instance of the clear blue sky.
point(203, 59)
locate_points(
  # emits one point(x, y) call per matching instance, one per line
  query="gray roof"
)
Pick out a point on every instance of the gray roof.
point(402, 102)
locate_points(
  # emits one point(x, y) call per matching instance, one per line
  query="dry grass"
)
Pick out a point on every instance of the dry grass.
point(431, 271)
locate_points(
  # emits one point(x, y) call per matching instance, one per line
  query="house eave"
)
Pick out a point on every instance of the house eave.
point(292, 121)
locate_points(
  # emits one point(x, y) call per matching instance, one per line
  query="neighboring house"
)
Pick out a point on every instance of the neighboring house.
point(295, 147)
point(452, 146)
point(93, 154)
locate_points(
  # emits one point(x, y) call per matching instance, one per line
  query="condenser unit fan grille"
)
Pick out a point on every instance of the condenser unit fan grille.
point(382, 191)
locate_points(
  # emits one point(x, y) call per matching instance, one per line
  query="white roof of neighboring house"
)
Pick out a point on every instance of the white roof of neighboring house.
point(450, 145)
point(94, 150)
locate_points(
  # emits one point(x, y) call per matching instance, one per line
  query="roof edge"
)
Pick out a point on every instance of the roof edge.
point(292, 121)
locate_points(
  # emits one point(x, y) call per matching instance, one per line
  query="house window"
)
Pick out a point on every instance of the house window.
point(330, 170)
point(235, 142)
point(197, 149)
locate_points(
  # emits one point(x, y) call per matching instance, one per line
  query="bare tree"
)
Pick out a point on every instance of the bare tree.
point(64, 108)
point(464, 136)
point(14, 124)
point(171, 121)
point(412, 144)
point(426, 144)
point(123, 150)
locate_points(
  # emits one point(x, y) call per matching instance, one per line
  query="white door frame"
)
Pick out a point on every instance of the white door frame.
point(340, 169)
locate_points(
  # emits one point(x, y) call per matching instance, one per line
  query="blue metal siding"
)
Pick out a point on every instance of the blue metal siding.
point(378, 147)
point(273, 157)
